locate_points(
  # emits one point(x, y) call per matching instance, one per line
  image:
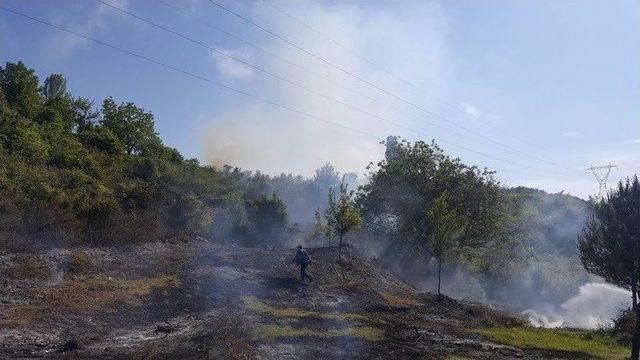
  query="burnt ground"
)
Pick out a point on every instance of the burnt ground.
point(200, 300)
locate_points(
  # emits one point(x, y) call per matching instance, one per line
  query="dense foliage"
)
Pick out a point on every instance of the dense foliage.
point(70, 173)
point(403, 188)
point(610, 243)
point(442, 241)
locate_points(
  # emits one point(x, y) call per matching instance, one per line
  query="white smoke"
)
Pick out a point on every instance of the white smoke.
point(257, 136)
point(595, 305)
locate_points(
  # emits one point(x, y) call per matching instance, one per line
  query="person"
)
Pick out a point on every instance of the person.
point(303, 260)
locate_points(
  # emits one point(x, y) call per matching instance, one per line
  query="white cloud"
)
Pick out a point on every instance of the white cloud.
point(570, 133)
point(228, 66)
point(262, 137)
point(95, 21)
point(635, 141)
point(469, 109)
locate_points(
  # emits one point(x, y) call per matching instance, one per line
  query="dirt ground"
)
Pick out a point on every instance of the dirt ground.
point(200, 300)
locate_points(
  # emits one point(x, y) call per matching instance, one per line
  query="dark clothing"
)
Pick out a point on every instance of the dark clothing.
point(303, 272)
point(302, 259)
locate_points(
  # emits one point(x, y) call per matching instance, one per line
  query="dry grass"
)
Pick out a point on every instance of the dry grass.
point(85, 295)
point(397, 301)
point(273, 332)
point(229, 337)
point(79, 262)
point(29, 267)
point(256, 305)
point(494, 317)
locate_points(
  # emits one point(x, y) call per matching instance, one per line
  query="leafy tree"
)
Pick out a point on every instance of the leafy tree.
point(102, 139)
point(404, 186)
point(342, 217)
point(610, 244)
point(20, 88)
point(83, 115)
point(55, 86)
point(445, 227)
point(133, 126)
point(268, 220)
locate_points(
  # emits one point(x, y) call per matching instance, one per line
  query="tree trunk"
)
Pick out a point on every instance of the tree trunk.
point(340, 248)
point(635, 347)
point(340, 256)
point(439, 274)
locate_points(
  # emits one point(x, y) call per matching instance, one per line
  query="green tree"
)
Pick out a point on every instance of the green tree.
point(55, 86)
point(342, 217)
point(20, 87)
point(133, 126)
point(268, 220)
point(445, 227)
point(406, 183)
point(102, 139)
point(610, 244)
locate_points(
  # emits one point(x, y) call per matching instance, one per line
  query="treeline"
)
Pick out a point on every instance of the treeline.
point(516, 246)
point(72, 172)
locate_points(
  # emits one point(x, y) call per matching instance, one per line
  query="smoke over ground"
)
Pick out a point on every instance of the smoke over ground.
point(256, 136)
point(594, 306)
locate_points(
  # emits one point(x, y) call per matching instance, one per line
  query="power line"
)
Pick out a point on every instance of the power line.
point(268, 52)
point(341, 69)
point(374, 100)
point(238, 91)
point(190, 74)
point(267, 72)
point(381, 68)
point(255, 67)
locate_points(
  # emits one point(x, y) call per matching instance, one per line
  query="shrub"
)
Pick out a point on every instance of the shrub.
point(79, 262)
point(29, 267)
point(228, 338)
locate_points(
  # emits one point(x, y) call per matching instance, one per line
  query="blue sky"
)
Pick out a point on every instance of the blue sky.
point(542, 89)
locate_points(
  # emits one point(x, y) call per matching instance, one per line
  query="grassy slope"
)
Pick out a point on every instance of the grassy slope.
point(586, 342)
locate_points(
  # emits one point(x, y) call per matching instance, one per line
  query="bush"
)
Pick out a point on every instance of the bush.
point(79, 262)
point(29, 267)
point(623, 326)
point(229, 337)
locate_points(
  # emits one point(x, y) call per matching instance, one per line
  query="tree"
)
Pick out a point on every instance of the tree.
point(55, 86)
point(268, 220)
point(445, 227)
point(20, 87)
point(342, 217)
point(404, 186)
point(610, 244)
point(132, 125)
point(102, 139)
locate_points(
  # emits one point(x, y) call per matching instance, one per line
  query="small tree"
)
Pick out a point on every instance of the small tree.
point(55, 86)
point(610, 244)
point(342, 217)
point(445, 227)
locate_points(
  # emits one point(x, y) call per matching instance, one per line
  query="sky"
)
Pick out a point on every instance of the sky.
point(536, 90)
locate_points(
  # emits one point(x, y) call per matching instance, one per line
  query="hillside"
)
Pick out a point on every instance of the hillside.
point(197, 299)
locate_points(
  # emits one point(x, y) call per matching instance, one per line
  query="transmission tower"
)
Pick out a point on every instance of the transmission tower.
point(602, 174)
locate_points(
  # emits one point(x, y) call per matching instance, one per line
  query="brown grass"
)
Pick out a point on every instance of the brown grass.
point(495, 317)
point(79, 262)
point(229, 337)
point(29, 267)
point(397, 301)
point(85, 295)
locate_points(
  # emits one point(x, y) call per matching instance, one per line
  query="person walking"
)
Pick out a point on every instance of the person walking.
point(303, 260)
